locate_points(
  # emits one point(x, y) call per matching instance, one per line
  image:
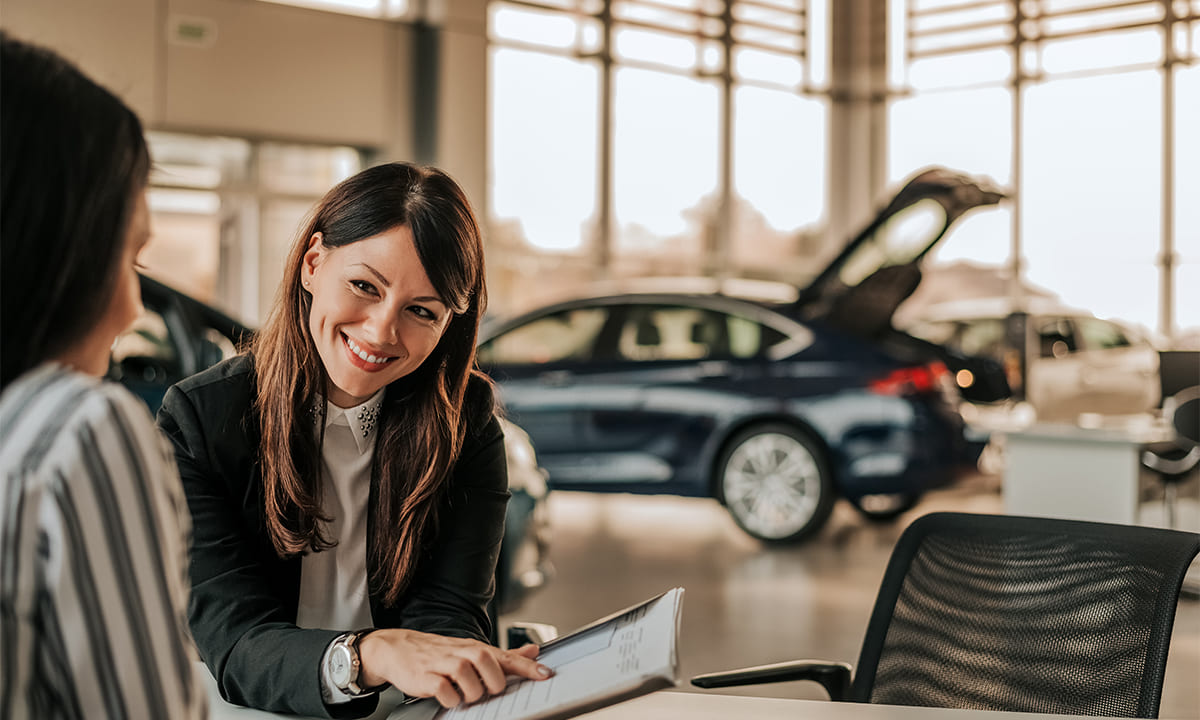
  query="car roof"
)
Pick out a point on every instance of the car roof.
point(767, 313)
point(759, 291)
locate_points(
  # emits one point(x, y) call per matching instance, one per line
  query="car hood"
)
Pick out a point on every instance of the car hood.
point(879, 268)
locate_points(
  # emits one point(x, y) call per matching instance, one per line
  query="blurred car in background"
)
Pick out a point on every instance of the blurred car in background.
point(178, 336)
point(774, 409)
point(1076, 363)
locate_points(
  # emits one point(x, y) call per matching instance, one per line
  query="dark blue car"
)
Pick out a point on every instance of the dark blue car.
point(774, 408)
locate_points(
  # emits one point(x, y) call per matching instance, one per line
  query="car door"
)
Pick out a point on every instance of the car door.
point(673, 384)
point(537, 363)
point(1118, 374)
point(1053, 377)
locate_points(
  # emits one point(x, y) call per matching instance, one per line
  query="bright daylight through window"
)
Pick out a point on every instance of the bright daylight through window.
point(1088, 109)
point(620, 129)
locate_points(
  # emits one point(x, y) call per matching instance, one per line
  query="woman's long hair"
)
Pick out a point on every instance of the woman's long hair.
point(73, 161)
point(423, 419)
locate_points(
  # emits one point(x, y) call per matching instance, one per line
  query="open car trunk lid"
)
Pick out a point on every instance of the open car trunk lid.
point(859, 291)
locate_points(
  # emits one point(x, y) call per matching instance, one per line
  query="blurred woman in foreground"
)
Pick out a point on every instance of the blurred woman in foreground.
point(93, 523)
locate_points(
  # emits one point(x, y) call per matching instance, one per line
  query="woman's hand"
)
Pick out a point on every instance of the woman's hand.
point(453, 670)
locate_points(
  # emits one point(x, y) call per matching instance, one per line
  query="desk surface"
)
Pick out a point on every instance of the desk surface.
point(712, 706)
point(709, 706)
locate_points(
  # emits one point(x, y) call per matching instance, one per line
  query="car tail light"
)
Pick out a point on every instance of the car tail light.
point(930, 378)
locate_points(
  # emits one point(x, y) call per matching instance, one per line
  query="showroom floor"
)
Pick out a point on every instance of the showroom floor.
point(745, 604)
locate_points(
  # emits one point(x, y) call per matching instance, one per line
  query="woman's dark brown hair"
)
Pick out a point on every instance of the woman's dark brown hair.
point(423, 419)
point(73, 161)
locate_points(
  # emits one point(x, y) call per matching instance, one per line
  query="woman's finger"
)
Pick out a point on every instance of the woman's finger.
point(489, 669)
point(463, 674)
point(445, 691)
point(529, 650)
point(518, 664)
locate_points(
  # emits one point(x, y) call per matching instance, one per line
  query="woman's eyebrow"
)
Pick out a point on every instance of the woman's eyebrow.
point(382, 280)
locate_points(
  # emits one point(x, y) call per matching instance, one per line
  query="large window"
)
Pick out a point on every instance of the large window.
point(653, 137)
point(224, 212)
point(1065, 102)
point(664, 183)
point(1091, 192)
point(1187, 187)
point(543, 139)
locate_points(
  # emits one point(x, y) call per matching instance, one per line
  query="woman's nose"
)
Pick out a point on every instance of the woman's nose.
point(383, 327)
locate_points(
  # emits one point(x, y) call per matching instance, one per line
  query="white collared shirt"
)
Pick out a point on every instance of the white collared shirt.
point(333, 582)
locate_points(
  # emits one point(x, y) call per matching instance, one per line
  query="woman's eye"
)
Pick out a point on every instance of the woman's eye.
point(424, 313)
point(363, 286)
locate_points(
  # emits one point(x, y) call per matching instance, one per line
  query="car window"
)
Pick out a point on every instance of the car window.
point(663, 332)
point(1055, 336)
point(565, 335)
point(145, 352)
point(984, 336)
point(749, 339)
point(1100, 334)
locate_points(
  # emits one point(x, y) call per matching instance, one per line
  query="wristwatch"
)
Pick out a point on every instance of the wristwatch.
point(345, 665)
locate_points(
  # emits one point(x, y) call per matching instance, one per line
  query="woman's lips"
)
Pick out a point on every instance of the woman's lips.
point(363, 363)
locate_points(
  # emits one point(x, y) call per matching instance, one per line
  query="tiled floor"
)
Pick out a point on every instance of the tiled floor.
point(746, 604)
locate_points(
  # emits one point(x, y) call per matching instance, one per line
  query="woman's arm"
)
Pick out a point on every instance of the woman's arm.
point(245, 634)
point(97, 531)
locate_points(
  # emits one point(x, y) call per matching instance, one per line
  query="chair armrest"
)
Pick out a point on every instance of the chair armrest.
point(833, 676)
point(1170, 459)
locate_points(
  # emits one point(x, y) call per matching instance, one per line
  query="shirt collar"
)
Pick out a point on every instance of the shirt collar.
point(363, 420)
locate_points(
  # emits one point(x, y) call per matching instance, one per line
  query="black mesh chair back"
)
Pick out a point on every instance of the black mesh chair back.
point(1025, 614)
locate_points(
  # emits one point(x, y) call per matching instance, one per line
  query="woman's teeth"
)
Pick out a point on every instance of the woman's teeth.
point(364, 355)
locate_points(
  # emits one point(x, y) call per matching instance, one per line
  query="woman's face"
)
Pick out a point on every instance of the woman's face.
point(90, 354)
point(375, 316)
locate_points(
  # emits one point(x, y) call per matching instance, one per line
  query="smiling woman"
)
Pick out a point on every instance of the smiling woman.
point(375, 316)
point(346, 477)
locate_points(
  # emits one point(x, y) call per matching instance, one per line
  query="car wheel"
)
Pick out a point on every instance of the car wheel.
point(774, 481)
point(882, 508)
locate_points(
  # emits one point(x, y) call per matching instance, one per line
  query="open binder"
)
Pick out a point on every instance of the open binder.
point(627, 654)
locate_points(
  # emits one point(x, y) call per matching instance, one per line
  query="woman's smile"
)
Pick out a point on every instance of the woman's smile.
point(368, 361)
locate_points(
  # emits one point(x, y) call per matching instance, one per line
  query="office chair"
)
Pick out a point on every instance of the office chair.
point(1011, 613)
point(1174, 460)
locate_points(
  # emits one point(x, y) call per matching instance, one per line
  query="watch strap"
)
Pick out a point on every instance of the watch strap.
point(352, 687)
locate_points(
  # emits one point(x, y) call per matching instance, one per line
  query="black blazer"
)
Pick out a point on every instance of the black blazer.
point(244, 597)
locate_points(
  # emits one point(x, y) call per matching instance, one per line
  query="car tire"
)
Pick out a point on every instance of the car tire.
point(775, 482)
point(885, 508)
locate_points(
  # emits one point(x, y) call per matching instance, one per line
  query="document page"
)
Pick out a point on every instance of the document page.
point(630, 653)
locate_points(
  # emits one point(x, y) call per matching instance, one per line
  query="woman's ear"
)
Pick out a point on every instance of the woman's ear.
point(312, 259)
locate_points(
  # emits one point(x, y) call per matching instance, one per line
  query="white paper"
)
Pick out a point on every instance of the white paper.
point(615, 658)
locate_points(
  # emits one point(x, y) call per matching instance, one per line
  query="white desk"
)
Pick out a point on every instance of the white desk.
point(713, 706)
point(1075, 473)
point(709, 706)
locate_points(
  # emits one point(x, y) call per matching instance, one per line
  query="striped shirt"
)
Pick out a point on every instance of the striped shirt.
point(93, 556)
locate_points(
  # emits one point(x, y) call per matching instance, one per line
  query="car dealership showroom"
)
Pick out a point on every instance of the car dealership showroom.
point(767, 281)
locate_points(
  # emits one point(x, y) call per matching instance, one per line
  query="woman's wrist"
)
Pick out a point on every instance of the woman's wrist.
point(369, 647)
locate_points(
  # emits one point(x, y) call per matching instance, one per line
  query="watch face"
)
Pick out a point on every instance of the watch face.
point(339, 666)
